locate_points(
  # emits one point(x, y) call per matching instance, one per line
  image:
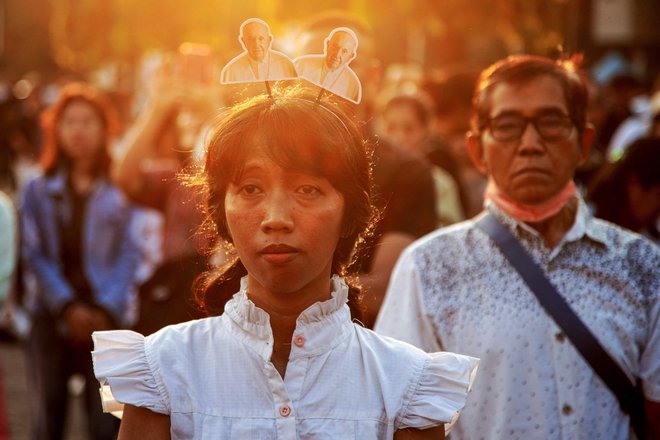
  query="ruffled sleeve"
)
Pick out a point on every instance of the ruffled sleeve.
point(441, 392)
point(122, 368)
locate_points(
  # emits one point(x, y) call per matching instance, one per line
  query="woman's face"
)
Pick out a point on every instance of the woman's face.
point(81, 131)
point(285, 227)
point(404, 128)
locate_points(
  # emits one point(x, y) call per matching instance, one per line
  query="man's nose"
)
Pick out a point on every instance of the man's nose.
point(531, 139)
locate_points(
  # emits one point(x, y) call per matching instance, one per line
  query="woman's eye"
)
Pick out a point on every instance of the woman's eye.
point(250, 190)
point(309, 190)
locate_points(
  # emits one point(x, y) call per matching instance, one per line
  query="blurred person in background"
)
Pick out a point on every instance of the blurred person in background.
point(406, 123)
point(9, 257)
point(450, 91)
point(654, 129)
point(19, 138)
point(455, 289)
point(627, 192)
point(155, 150)
point(77, 255)
point(638, 120)
point(616, 95)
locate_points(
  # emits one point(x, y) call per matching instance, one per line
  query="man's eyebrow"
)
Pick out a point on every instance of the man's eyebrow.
point(506, 112)
point(550, 109)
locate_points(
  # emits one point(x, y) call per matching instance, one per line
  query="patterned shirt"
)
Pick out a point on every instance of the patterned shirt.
point(454, 290)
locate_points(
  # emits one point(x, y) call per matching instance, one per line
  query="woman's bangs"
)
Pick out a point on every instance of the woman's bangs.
point(304, 146)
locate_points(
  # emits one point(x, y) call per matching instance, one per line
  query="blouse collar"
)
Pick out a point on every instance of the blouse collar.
point(322, 325)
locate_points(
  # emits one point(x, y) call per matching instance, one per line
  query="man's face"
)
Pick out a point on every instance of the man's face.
point(339, 50)
point(256, 39)
point(530, 169)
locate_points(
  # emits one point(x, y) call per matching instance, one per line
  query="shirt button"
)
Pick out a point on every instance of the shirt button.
point(285, 410)
point(560, 336)
point(567, 410)
point(299, 340)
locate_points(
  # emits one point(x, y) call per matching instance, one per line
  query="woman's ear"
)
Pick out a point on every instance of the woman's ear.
point(476, 151)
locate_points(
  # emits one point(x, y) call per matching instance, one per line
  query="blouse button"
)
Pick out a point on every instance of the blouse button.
point(285, 410)
point(299, 340)
point(560, 336)
point(567, 410)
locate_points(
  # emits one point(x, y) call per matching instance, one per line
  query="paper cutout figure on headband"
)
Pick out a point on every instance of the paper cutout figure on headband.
point(258, 62)
point(330, 70)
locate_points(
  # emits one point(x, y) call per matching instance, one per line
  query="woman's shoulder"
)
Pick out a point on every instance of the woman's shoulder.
point(386, 349)
point(186, 335)
point(404, 361)
point(145, 370)
point(381, 345)
point(437, 383)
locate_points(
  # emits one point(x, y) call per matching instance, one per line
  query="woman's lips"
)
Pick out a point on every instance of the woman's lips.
point(279, 253)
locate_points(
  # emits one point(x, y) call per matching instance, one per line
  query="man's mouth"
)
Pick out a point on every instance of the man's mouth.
point(530, 170)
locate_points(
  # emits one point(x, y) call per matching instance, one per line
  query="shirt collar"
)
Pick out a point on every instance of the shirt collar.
point(583, 226)
point(56, 185)
point(323, 324)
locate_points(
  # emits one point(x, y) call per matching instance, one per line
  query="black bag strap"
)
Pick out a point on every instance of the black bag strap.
point(629, 397)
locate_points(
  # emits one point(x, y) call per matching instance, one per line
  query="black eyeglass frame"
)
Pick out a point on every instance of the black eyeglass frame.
point(570, 125)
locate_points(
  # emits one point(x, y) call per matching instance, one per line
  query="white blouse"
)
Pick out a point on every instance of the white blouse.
point(214, 378)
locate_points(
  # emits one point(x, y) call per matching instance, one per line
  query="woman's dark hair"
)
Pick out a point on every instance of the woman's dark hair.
point(518, 70)
point(52, 156)
point(302, 134)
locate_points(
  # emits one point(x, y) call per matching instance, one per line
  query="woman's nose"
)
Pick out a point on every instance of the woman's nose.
point(278, 208)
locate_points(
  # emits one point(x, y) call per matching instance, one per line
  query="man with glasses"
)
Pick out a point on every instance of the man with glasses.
point(454, 290)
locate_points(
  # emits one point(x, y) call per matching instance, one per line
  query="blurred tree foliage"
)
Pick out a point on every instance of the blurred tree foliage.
point(86, 33)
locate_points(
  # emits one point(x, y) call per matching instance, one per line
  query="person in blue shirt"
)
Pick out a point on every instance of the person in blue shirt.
point(78, 258)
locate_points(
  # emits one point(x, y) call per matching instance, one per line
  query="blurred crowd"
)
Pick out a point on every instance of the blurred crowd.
point(141, 257)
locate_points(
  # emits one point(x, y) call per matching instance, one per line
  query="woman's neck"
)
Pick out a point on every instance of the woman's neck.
point(282, 327)
point(82, 178)
point(284, 308)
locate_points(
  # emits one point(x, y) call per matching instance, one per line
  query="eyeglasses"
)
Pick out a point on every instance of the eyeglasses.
point(510, 127)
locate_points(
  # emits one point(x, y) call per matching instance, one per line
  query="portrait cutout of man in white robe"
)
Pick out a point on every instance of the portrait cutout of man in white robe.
point(331, 70)
point(258, 62)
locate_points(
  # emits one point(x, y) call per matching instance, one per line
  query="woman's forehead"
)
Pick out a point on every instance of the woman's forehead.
point(259, 156)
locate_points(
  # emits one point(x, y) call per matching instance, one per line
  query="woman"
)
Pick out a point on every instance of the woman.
point(406, 121)
point(78, 259)
point(288, 186)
